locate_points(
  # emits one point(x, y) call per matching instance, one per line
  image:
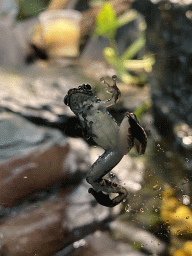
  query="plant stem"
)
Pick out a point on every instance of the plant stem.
point(118, 64)
point(114, 46)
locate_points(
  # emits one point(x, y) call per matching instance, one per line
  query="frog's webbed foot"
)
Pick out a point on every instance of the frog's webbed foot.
point(101, 198)
point(105, 200)
point(114, 90)
point(104, 164)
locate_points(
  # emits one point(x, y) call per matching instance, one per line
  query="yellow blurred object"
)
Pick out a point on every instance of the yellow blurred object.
point(182, 212)
point(61, 37)
point(108, 51)
point(58, 32)
point(182, 220)
point(146, 63)
point(37, 38)
point(168, 192)
point(180, 252)
point(188, 248)
point(169, 205)
point(179, 217)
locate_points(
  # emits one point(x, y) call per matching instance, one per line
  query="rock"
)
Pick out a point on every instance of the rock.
point(2, 246)
point(36, 229)
point(100, 244)
point(34, 159)
point(138, 235)
point(78, 158)
point(36, 93)
point(48, 226)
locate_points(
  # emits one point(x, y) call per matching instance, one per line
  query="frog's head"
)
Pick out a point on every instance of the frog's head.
point(77, 98)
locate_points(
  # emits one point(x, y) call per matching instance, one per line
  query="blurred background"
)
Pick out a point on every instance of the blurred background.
point(50, 46)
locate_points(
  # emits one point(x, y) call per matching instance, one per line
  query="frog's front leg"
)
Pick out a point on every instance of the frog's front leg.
point(100, 168)
point(114, 90)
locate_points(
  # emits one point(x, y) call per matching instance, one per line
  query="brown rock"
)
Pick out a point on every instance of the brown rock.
point(47, 227)
point(32, 159)
point(36, 230)
point(36, 171)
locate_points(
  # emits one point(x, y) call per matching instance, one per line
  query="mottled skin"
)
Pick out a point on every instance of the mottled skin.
point(116, 140)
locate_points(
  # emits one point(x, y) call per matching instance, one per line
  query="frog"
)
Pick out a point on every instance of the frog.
point(116, 140)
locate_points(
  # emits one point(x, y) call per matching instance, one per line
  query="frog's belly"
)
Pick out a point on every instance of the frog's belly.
point(105, 130)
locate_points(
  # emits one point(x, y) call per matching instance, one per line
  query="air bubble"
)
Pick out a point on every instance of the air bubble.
point(79, 243)
point(128, 208)
point(111, 175)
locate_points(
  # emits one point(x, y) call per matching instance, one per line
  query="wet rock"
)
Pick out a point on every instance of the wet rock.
point(39, 99)
point(34, 159)
point(49, 226)
point(34, 230)
point(2, 246)
point(78, 158)
point(84, 210)
point(36, 93)
point(138, 235)
point(100, 244)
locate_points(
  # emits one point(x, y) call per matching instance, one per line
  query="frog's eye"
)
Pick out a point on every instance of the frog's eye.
point(86, 87)
point(66, 100)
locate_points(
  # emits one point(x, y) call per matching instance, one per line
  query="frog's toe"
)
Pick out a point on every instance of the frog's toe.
point(101, 198)
point(104, 199)
point(113, 89)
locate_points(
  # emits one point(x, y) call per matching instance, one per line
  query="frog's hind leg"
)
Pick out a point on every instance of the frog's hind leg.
point(104, 199)
point(100, 168)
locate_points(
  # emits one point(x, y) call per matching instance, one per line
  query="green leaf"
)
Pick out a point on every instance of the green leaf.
point(106, 21)
point(133, 48)
point(127, 17)
point(29, 8)
point(142, 109)
point(110, 55)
